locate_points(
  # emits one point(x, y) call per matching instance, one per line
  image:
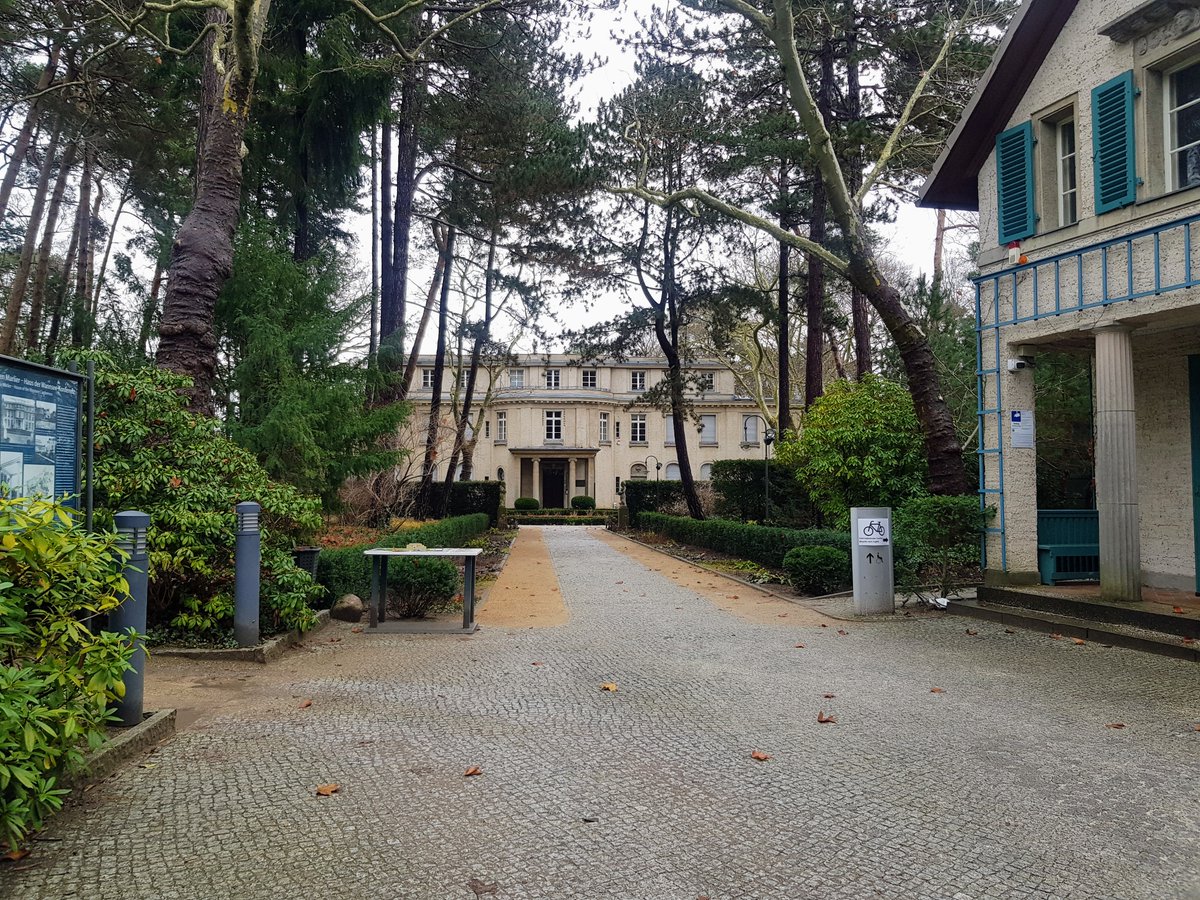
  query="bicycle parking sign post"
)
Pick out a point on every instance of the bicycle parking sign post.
point(872, 561)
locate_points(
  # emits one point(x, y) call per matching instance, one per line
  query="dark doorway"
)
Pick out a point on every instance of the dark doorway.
point(554, 474)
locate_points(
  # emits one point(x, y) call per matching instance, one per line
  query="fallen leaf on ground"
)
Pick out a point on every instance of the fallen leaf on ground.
point(783, 615)
point(535, 664)
point(147, 765)
point(826, 720)
point(357, 629)
point(618, 582)
point(937, 691)
point(823, 625)
point(1196, 727)
point(327, 790)
point(829, 696)
point(480, 888)
point(334, 640)
point(1114, 725)
point(1189, 640)
point(759, 755)
point(972, 632)
point(1055, 636)
point(16, 855)
point(473, 771)
point(1177, 609)
point(304, 704)
point(1079, 641)
point(1009, 631)
point(800, 646)
point(842, 632)
point(609, 686)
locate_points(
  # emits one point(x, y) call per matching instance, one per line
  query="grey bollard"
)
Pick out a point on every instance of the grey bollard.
point(131, 529)
point(247, 558)
point(872, 560)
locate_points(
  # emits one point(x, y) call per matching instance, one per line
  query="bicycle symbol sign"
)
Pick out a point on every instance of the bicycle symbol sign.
point(873, 532)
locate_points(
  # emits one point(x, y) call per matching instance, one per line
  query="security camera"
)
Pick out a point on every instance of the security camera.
point(1016, 365)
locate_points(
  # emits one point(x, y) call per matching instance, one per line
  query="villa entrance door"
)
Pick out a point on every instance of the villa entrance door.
point(554, 480)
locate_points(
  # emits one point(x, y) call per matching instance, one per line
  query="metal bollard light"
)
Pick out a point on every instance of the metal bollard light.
point(131, 528)
point(247, 559)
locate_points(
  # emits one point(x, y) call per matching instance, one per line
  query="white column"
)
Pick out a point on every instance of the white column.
point(537, 479)
point(1116, 467)
point(570, 480)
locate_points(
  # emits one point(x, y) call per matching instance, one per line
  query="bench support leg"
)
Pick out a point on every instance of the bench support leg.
point(469, 593)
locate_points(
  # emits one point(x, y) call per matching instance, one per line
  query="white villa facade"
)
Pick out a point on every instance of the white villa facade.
point(1081, 152)
point(556, 428)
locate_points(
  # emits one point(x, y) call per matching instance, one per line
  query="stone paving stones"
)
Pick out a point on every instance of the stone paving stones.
point(1004, 784)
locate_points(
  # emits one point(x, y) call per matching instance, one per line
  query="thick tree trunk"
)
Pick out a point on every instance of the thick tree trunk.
point(814, 363)
point(435, 402)
point(16, 297)
point(385, 227)
point(33, 327)
point(939, 248)
point(24, 139)
point(81, 301)
point(202, 255)
point(783, 410)
point(89, 280)
point(859, 315)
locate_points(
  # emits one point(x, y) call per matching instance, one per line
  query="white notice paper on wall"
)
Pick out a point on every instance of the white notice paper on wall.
point(1022, 429)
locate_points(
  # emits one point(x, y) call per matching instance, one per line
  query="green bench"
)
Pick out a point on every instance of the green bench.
point(1068, 545)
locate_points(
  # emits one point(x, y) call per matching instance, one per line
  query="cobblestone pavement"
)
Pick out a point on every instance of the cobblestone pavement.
point(1006, 784)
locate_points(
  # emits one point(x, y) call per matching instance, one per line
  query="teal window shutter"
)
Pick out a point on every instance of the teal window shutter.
point(1014, 181)
point(1113, 154)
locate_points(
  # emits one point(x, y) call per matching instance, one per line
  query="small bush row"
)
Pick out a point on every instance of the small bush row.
point(818, 570)
point(763, 545)
point(557, 520)
point(348, 571)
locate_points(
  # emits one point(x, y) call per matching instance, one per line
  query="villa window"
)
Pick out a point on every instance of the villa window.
point(554, 419)
point(427, 378)
point(749, 429)
point(1068, 182)
point(637, 428)
point(708, 431)
point(487, 428)
point(604, 428)
point(1183, 127)
point(706, 472)
point(669, 426)
point(707, 381)
point(672, 471)
point(516, 378)
point(501, 427)
point(553, 379)
point(589, 378)
point(637, 381)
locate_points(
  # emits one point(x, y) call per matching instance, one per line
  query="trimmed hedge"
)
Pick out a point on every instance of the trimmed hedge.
point(348, 571)
point(648, 496)
point(758, 543)
point(583, 503)
point(818, 570)
point(526, 503)
point(419, 584)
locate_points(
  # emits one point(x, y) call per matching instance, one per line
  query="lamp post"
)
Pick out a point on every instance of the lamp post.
point(132, 528)
point(657, 470)
point(768, 440)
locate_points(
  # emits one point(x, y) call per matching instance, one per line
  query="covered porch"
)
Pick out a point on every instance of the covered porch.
point(553, 476)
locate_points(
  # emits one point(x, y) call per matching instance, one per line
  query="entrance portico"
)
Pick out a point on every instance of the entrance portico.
point(555, 475)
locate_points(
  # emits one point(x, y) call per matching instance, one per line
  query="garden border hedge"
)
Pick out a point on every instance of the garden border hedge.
point(759, 543)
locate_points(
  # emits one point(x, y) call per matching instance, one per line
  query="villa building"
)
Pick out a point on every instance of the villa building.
point(552, 427)
point(1081, 152)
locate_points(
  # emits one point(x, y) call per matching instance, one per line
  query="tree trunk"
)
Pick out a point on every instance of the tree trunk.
point(859, 315)
point(783, 410)
point(385, 228)
point(435, 401)
point(33, 327)
point(481, 338)
point(24, 138)
point(939, 248)
point(393, 308)
point(202, 255)
point(814, 363)
point(16, 297)
point(150, 310)
point(60, 299)
point(374, 339)
point(108, 245)
point(435, 286)
point(947, 474)
point(81, 303)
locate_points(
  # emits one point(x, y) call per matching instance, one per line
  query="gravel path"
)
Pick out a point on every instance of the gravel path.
point(1006, 783)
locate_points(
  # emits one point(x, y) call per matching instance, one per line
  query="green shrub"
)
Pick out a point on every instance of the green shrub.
point(58, 677)
point(861, 446)
point(650, 496)
point(347, 571)
point(583, 503)
point(937, 541)
point(740, 488)
point(418, 584)
point(155, 456)
point(759, 543)
point(558, 520)
point(468, 497)
point(526, 503)
point(818, 570)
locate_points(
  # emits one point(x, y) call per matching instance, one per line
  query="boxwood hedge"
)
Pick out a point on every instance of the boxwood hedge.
point(761, 544)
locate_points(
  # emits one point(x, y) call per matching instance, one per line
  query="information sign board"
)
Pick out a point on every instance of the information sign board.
point(39, 430)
